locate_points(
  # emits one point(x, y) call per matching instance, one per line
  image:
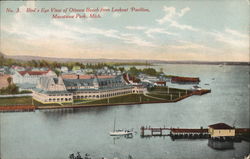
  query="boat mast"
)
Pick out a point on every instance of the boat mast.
point(114, 122)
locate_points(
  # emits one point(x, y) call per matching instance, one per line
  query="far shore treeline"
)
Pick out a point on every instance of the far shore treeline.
point(54, 64)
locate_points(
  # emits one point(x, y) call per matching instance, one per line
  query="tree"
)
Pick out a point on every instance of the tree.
point(9, 79)
point(121, 69)
point(134, 71)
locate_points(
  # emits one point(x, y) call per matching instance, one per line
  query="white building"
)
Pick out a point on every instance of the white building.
point(30, 77)
point(65, 90)
point(64, 69)
point(52, 90)
point(14, 69)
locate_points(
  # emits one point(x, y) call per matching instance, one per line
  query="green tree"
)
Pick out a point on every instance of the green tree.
point(9, 79)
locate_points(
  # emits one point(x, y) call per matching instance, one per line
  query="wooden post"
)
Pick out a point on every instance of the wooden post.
point(168, 90)
point(179, 94)
point(170, 96)
point(142, 131)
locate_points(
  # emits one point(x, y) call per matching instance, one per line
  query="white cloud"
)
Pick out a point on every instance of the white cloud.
point(187, 45)
point(182, 26)
point(133, 39)
point(231, 38)
point(236, 33)
point(136, 27)
point(171, 16)
point(111, 33)
point(150, 31)
point(183, 11)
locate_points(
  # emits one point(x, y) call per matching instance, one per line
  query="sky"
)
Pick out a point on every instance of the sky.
point(174, 30)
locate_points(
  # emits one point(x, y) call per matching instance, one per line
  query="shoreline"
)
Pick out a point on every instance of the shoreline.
point(24, 108)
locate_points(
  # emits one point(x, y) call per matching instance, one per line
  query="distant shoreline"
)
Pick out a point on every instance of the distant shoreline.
point(102, 60)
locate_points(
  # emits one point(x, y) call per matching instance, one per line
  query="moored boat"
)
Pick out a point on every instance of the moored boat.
point(121, 132)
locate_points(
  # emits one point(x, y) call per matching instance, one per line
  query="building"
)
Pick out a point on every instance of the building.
point(160, 83)
point(30, 77)
point(221, 130)
point(52, 90)
point(80, 87)
point(64, 69)
point(13, 69)
point(97, 88)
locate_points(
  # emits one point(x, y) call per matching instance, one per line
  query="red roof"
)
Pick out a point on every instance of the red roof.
point(33, 72)
point(220, 126)
point(161, 82)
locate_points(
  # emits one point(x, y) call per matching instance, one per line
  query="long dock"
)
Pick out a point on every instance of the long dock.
point(174, 132)
point(187, 133)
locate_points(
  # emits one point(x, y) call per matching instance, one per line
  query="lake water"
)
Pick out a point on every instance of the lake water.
point(57, 133)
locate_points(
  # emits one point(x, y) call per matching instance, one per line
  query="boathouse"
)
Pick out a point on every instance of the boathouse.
point(221, 130)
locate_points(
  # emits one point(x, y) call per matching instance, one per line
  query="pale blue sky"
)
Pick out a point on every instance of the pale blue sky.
point(172, 30)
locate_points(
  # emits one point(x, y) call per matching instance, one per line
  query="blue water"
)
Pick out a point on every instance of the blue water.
point(55, 134)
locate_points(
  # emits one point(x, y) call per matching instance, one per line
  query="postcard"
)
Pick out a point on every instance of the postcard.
point(128, 79)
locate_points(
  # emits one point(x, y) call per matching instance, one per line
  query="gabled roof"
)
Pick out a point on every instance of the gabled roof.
point(75, 76)
point(90, 81)
point(33, 72)
point(220, 126)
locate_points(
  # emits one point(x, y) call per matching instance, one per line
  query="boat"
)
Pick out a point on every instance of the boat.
point(120, 132)
point(185, 80)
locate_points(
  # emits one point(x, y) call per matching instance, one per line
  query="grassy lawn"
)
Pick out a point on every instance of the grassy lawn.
point(16, 101)
point(36, 103)
point(124, 99)
point(165, 93)
point(158, 92)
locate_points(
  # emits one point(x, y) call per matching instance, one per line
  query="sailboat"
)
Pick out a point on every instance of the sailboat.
point(120, 132)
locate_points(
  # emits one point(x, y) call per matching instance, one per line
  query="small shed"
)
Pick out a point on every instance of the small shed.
point(221, 130)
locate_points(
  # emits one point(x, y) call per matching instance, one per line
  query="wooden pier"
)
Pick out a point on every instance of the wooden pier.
point(187, 133)
point(174, 133)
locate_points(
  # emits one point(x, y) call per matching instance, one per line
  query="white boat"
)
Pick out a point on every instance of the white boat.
point(120, 132)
